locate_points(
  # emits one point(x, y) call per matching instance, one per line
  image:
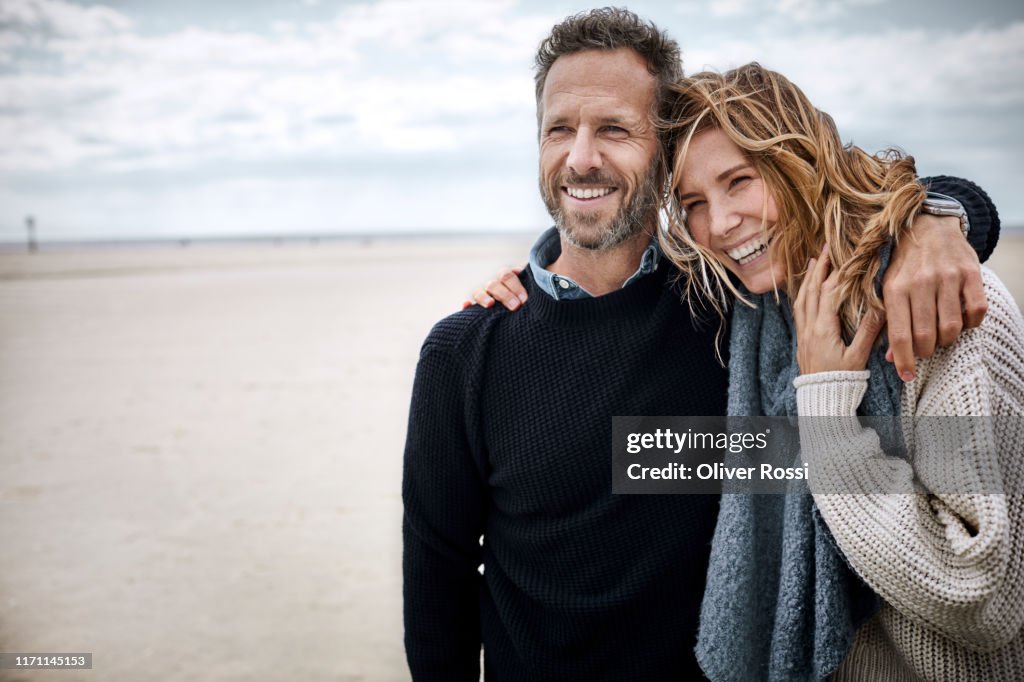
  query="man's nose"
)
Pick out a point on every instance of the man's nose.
point(584, 157)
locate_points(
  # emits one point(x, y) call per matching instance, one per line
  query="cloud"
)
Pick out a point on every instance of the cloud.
point(801, 11)
point(90, 91)
point(93, 92)
point(425, 94)
point(862, 76)
point(728, 8)
point(59, 19)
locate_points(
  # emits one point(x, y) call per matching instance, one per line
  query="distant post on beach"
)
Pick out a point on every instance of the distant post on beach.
point(30, 227)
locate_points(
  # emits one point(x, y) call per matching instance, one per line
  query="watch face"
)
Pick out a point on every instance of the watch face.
point(937, 206)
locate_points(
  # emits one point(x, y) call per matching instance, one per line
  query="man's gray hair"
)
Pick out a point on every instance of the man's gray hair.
point(610, 28)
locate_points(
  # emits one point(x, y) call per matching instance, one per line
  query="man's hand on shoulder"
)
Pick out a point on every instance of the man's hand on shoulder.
point(932, 291)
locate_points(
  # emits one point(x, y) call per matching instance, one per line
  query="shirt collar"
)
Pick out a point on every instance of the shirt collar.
point(548, 248)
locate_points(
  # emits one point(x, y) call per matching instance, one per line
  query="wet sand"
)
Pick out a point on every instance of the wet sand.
point(200, 451)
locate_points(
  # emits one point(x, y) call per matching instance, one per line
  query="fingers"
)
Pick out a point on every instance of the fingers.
point(868, 331)
point(924, 316)
point(800, 302)
point(502, 294)
point(481, 298)
point(815, 280)
point(951, 320)
point(807, 301)
point(514, 284)
point(816, 324)
point(975, 303)
point(901, 342)
point(505, 288)
point(827, 308)
point(960, 302)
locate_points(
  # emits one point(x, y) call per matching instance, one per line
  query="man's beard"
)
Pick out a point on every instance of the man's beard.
point(631, 219)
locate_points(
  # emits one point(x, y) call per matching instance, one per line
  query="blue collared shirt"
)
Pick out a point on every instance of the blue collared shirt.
point(548, 248)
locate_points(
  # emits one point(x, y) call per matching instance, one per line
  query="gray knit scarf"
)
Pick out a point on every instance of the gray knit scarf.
point(781, 603)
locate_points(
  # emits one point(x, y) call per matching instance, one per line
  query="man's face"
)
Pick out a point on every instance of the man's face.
point(598, 149)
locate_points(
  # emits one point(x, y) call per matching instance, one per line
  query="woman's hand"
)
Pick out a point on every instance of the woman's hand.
point(505, 288)
point(819, 341)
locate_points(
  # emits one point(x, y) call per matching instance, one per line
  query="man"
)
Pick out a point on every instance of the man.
point(507, 463)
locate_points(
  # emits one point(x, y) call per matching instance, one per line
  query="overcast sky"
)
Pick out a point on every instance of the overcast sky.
point(189, 118)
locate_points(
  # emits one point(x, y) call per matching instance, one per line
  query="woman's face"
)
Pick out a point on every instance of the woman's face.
point(725, 198)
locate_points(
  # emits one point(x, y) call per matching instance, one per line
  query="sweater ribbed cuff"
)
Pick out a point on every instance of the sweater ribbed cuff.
point(825, 394)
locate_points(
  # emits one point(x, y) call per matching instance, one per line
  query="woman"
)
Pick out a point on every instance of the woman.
point(765, 193)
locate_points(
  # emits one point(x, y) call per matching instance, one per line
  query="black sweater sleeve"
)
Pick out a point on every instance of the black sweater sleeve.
point(981, 211)
point(443, 500)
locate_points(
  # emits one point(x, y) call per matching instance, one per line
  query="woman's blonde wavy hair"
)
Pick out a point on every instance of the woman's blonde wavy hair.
point(825, 192)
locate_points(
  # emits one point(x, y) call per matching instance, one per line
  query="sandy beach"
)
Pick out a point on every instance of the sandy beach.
point(201, 450)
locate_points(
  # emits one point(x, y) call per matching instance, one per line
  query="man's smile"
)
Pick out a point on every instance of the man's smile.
point(588, 194)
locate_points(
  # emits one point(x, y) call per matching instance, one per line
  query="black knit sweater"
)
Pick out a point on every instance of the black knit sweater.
point(510, 439)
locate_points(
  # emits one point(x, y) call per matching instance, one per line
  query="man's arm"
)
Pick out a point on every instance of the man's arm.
point(932, 289)
point(981, 211)
point(443, 497)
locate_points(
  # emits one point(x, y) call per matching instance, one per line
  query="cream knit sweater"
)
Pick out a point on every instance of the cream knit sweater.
point(949, 567)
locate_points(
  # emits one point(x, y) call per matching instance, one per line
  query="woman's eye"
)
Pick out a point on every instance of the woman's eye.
point(693, 205)
point(735, 182)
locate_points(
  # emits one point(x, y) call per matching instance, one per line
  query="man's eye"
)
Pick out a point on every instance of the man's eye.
point(615, 130)
point(558, 130)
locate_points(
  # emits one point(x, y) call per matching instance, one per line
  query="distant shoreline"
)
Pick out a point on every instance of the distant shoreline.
point(289, 239)
point(1014, 232)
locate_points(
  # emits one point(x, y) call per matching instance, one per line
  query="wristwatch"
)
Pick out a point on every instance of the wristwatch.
point(940, 204)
